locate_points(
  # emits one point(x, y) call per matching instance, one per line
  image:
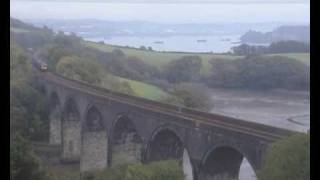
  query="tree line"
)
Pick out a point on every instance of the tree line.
point(259, 72)
point(273, 48)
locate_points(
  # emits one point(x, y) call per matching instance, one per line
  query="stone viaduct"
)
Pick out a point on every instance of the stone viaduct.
point(100, 128)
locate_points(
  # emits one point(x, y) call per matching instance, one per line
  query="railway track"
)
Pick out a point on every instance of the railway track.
point(265, 132)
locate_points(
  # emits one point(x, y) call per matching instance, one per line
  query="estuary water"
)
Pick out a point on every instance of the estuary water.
point(216, 44)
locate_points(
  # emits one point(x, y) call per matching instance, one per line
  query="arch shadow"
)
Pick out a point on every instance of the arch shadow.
point(125, 144)
point(94, 120)
point(166, 143)
point(223, 161)
point(166, 127)
point(70, 110)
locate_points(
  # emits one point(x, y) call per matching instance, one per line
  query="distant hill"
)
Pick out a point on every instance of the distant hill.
point(282, 33)
point(15, 23)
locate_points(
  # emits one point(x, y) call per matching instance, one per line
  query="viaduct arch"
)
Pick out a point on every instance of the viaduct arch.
point(222, 161)
point(99, 126)
point(94, 141)
point(164, 144)
point(126, 142)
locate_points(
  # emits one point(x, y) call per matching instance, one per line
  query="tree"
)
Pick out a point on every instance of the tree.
point(288, 159)
point(243, 49)
point(275, 47)
point(289, 47)
point(77, 68)
point(24, 165)
point(91, 72)
point(20, 65)
point(28, 112)
point(28, 108)
point(53, 54)
point(184, 69)
point(139, 70)
point(259, 72)
point(190, 95)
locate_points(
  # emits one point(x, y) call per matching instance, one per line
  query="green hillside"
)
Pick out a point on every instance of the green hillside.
point(160, 58)
point(145, 90)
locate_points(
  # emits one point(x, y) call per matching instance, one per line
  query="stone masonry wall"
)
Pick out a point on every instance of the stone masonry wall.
point(55, 127)
point(71, 140)
point(94, 151)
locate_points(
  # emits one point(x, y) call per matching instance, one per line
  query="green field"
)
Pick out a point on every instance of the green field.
point(145, 90)
point(160, 58)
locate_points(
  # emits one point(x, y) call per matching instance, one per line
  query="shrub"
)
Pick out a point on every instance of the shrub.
point(162, 170)
point(190, 95)
point(288, 159)
point(28, 107)
point(24, 165)
point(184, 69)
point(80, 69)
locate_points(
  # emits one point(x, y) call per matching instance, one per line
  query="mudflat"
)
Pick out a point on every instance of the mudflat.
point(280, 108)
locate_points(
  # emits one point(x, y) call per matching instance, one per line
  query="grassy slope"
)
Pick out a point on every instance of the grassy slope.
point(160, 58)
point(139, 88)
point(145, 90)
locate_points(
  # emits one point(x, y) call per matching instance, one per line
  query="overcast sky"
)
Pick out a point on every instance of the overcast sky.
point(181, 1)
point(164, 12)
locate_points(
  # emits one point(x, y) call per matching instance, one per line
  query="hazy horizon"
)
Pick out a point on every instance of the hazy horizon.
point(164, 13)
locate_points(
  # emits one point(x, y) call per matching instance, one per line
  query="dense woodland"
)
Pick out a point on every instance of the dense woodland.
point(181, 78)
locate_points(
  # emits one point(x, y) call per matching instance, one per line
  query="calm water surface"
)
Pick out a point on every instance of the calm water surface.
point(176, 43)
